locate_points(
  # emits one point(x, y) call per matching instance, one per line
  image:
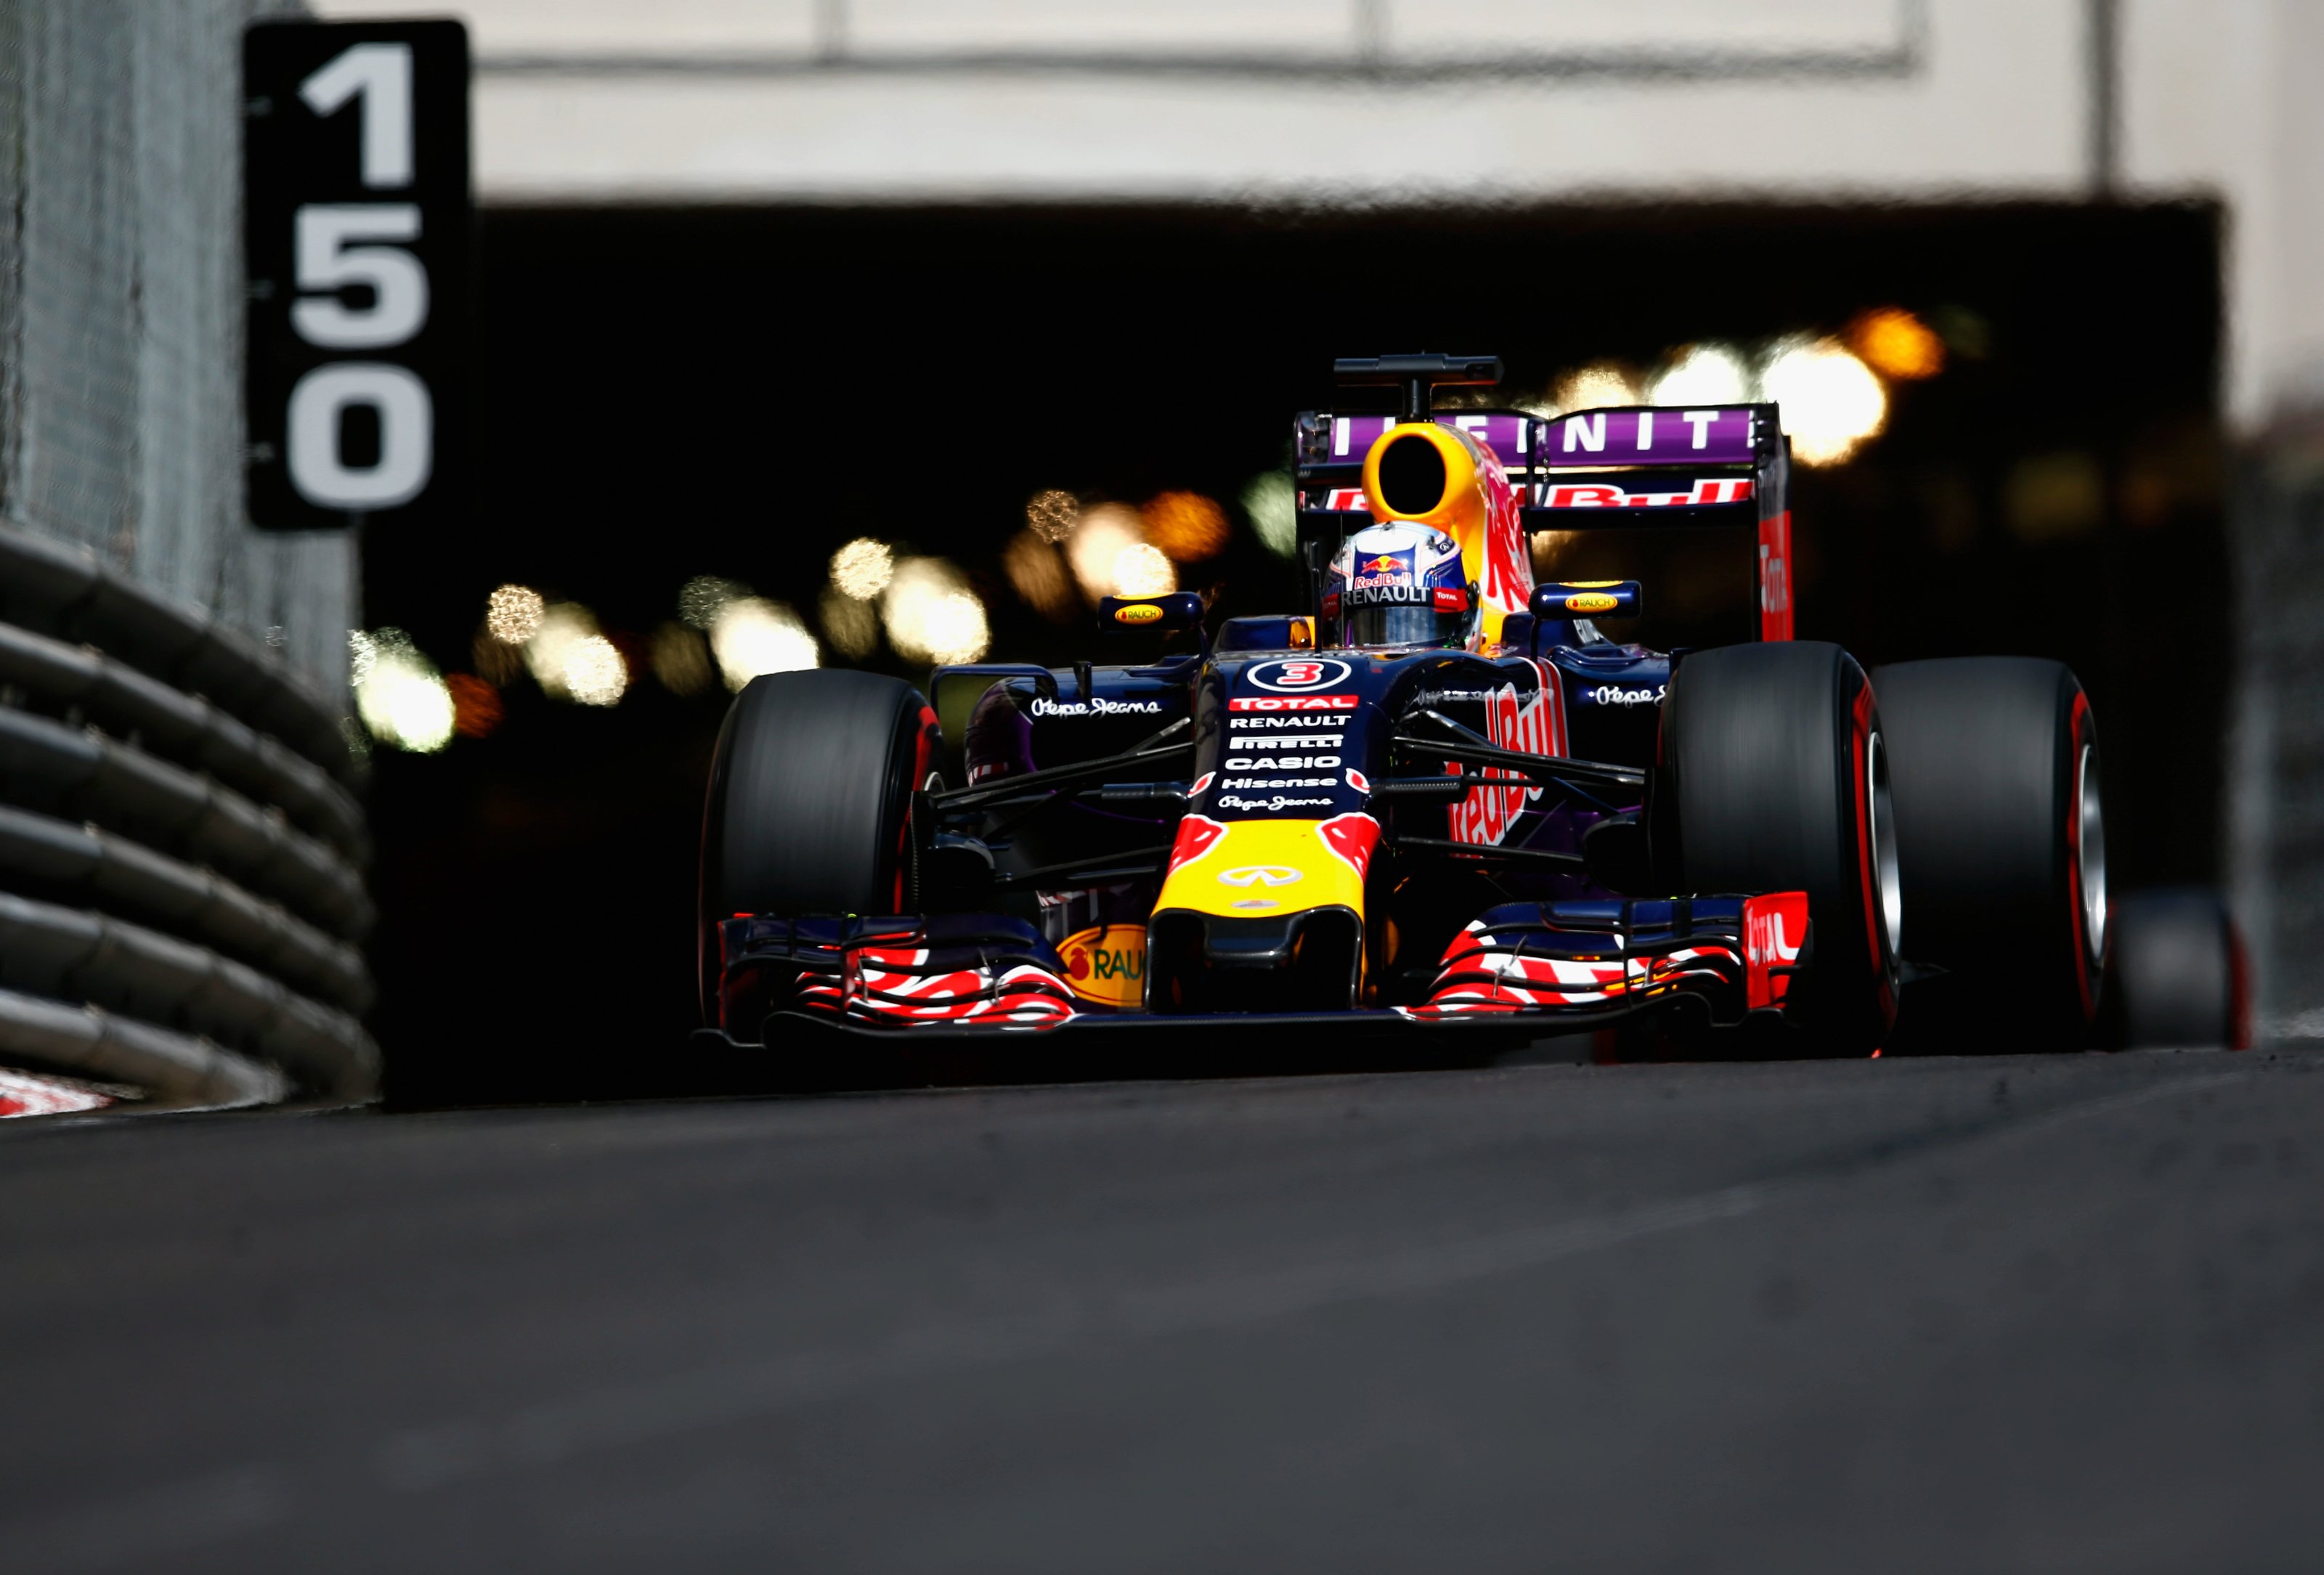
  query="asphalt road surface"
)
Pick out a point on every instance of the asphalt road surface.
point(1948, 1314)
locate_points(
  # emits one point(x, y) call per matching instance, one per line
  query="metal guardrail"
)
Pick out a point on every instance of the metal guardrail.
point(182, 896)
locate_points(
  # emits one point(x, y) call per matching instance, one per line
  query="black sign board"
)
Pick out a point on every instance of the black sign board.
point(355, 213)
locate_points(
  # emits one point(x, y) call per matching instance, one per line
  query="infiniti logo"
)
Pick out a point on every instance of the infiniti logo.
point(1258, 875)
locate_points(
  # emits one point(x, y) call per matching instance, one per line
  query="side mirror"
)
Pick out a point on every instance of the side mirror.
point(1170, 611)
point(1585, 599)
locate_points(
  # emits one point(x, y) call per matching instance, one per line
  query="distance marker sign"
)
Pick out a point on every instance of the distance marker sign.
point(356, 214)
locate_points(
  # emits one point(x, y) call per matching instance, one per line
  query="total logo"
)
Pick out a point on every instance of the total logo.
point(1775, 933)
point(1297, 675)
point(1293, 701)
point(1763, 940)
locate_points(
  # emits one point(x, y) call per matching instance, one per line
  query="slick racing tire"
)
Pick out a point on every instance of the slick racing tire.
point(809, 807)
point(2001, 838)
point(2178, 978)
point(1773, 777)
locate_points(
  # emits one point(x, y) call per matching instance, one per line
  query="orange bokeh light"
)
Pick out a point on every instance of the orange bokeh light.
point(1897, 344)
point(1188, 525)
point(476, 706)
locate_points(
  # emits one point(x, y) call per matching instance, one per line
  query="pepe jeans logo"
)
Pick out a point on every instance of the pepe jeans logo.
point(1258, 875)
point(1098, 705)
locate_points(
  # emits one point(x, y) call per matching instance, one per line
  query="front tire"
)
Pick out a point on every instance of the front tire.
point(809, 806)
point(2002, 839)
point(1773, 777)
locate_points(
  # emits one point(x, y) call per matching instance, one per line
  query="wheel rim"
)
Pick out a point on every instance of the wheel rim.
point(1890, 886)
point(2090, 834)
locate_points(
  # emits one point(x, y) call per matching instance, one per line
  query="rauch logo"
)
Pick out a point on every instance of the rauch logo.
point(1107, 965)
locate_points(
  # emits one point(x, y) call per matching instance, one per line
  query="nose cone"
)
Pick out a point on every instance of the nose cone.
point(1261, 916)
point(1245, 869)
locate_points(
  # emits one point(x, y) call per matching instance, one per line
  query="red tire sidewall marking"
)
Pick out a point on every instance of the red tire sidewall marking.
point(1860, 746)
point(2076, 729)
point(923, 750)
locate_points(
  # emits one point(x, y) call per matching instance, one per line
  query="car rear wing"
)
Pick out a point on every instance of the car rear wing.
point(1624, 467)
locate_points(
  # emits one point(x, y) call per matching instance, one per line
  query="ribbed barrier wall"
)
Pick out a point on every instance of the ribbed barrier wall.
point(2275, 769)
point(181, 848)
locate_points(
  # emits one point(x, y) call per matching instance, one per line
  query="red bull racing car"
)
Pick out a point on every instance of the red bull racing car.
point(1435, 807)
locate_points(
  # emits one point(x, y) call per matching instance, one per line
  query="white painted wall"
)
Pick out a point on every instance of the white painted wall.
point(1419, 101)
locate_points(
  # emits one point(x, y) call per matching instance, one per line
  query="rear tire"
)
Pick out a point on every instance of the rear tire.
point(2002, 842)
point(809, 805)
point(2179, 978)
point(1773, 777)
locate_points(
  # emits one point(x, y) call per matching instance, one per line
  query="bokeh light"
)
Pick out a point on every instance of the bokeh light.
point(958, 632)
point(595, 672)
point(1594, 387)
point(562, 625)
point(1142, 570)
point(701, 597)
point(1039, 575)
point(402, 698)
point(1703, 374)
point(2050, 497)
point(1831, 402)
point(1897, 344)
point(754, 635)
point(1272, 502)
point(863, 568)
point(851, 626)
point(513, 614)
point(680, 659)
point(1103, 533)
point(1186, 526)
point(496, 663)
point(931, 614)
point(1051, 515)
point(476, 706)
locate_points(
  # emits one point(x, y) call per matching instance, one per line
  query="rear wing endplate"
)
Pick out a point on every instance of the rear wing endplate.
point(1625, 468)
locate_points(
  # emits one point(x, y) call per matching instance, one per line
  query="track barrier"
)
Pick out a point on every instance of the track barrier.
point(181, 848)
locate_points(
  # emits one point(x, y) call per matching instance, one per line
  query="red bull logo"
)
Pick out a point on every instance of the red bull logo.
point(1382, 565)
point(1539, 728)
point(1508, 579)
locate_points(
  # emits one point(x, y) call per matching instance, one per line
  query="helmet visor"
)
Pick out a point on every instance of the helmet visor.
point(1383, 627)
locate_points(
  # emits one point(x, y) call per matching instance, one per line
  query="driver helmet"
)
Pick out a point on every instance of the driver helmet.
point(1398, 587)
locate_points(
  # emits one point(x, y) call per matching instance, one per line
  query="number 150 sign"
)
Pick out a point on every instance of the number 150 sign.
point(355, 232)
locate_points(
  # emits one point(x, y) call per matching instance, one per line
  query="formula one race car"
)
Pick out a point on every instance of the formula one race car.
point(1435, 804)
